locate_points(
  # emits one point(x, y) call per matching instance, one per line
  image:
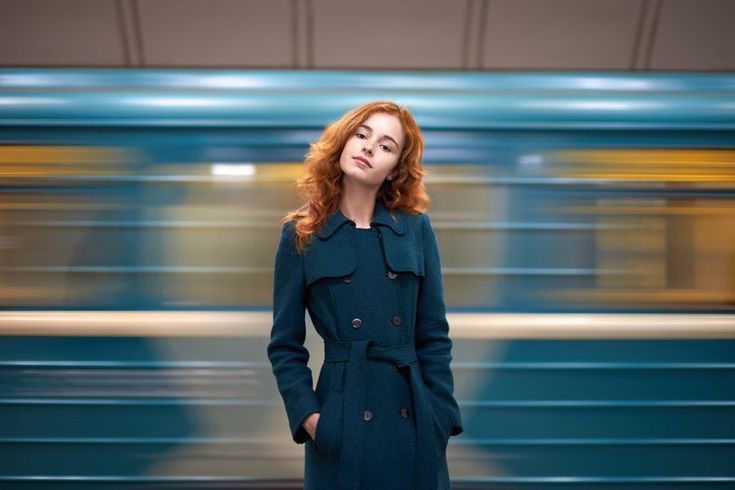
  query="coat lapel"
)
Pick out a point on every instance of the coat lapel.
point(401, 240)
point(331, 252)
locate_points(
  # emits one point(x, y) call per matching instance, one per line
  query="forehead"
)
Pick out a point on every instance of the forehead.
point(386, 124)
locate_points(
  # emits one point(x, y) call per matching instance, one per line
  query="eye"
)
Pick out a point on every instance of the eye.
point(386, 148)
point(360, 135)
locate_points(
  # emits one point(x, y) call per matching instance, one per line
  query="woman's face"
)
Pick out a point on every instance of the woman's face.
point(372, 152)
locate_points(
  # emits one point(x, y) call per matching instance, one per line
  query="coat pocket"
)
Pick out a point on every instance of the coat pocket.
point(328, 429)
point(441, 420)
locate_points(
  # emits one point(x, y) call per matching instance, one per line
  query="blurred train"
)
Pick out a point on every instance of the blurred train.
point(587, 230)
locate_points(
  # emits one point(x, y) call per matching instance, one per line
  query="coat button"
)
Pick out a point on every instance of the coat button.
point(367, 416)
point(356, 323)
point(396, 320)
point(347, 279)
point(404, 413)
point(392, 275)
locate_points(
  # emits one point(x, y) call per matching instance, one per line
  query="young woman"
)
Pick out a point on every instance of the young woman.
point(361, 256)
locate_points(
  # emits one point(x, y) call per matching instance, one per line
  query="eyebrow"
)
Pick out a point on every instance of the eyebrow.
point(384, 136)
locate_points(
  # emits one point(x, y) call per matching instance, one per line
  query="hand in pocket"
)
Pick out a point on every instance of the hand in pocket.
point(310, 425)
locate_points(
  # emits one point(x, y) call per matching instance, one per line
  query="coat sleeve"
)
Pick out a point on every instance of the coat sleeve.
point(433, 345)
point(286, 350)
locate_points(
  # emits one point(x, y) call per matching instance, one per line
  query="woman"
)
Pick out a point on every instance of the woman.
point(361, 256)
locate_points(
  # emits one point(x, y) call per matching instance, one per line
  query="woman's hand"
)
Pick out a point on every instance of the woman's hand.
point(310, 424)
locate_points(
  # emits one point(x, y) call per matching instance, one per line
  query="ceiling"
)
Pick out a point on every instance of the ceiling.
point(628, 35)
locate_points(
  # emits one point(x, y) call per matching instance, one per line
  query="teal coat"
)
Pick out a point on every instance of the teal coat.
point(410, 364)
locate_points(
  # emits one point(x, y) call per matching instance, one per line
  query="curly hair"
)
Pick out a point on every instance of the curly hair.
point(321, 183)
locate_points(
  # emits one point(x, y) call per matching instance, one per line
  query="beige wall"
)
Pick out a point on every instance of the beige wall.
point(371, 34)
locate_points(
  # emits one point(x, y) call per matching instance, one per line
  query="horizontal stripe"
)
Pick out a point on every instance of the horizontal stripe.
point(563, 366)
point(113, 269)
point(137, 440)
point(308, 109)
point(216, 367)
point(489, 480)
point(246, 225)
point(633, 480)
point(132, 479)
point(458, 441)
point(546, 181)
point(107, 365)
point(447, 271)
point(140, 401)
point(409, 80)
point(462, 441)
point(462, 403)
point(599, 403)
point(462, 325)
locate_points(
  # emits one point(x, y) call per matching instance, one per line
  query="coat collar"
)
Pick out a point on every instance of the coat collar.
point(381, 216)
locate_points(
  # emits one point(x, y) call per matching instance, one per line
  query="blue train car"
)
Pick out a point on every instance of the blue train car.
point(586, 223)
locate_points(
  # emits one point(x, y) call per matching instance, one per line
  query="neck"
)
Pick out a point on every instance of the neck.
point(358, 203)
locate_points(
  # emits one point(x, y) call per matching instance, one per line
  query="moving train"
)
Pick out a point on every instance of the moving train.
point(586, 224)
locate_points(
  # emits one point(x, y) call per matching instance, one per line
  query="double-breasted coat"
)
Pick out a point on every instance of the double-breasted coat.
point(385, 389)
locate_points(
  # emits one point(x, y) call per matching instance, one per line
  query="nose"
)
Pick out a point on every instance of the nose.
point(367, 147)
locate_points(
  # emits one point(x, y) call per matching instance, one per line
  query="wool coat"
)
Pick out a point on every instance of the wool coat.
point(385, 389)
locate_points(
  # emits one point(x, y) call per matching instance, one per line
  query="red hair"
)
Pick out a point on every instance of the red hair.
point(321, 183)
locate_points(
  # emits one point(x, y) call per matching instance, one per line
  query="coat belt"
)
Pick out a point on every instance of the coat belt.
point(356, 354)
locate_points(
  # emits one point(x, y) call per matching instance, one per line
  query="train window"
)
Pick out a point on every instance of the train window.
point(469, 213)
point(91, 227)
point(216, 229)
point(663, 226)
point(104, 227)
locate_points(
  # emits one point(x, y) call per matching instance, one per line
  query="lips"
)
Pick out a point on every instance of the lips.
point(363, 160)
